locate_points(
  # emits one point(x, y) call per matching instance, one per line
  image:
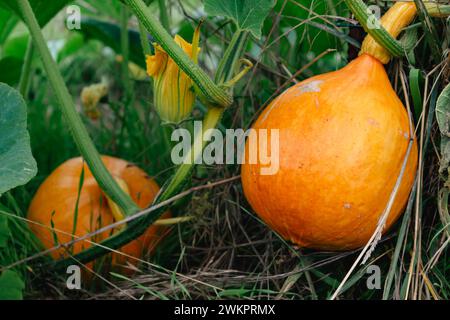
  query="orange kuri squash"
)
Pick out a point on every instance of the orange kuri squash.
point(343, 137)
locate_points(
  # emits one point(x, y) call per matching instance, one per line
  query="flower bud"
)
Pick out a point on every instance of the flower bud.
point(173, 90)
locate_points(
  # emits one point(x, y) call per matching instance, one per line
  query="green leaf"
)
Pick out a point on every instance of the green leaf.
point(10, 72)
point(443, 111)
point(445, 157)
point(415, 78)
point(4, 231)
point(11, 286)
point(7, 24)
point(44, 10)
point(16, 46)
point(12, 61)
point(109, 34)
point(248, 15)
point(17, 165)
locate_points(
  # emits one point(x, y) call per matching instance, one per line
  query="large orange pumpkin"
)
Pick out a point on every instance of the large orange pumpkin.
point(343, 137)
point(55, 205)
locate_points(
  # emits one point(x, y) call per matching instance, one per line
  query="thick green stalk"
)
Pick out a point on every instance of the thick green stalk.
point(73, 119)
point(25, 75)
point(395, 47)
point(208, 88)
point(211, 120)
point(359, 9)
point(146, 48)
point(139, 226)
point(437, 10)
point(163, 15)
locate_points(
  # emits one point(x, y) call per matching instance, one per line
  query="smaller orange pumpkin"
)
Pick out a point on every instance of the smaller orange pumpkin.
point(55, 204)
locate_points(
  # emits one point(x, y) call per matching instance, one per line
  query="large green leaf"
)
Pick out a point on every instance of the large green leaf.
point(443, 111)
point(4, 231)
point(109, 34)
point(445, 157)
point(443, 120)
point(12, 60)
point(11, 286)
point(16, 46)
point(44, 10)
point(248, 15)
point(17, 165)
point(7, 24)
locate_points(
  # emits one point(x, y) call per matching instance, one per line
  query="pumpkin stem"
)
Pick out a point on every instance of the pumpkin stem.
point(400, 15)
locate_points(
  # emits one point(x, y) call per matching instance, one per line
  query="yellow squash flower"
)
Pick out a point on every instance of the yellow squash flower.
point(174, 94)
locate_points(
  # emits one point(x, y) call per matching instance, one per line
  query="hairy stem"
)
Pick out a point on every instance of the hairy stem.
point(144, 40)
point(360, 10)
point(73, 119)
point(212, 92)
point(437, 10)
point(382, 36)
point(230, 58)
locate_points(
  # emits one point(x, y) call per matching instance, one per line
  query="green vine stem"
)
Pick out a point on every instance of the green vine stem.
point(395, 47)
point(25, 75)
point(144, 40)
point(139, 226)
point(437, 10)
point(73, 119)
point(210, 121)
point(225, 69)
point(163, 15)
point(360, 10)
point(212, 92)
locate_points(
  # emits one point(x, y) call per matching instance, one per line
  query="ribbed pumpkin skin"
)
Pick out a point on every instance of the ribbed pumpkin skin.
point(59, 192)
point(343, 137)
